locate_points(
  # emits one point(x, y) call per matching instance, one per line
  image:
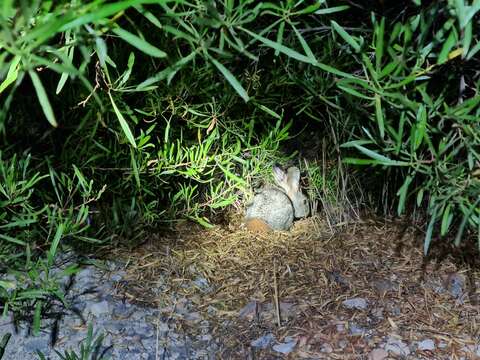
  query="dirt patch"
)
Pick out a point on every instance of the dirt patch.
point(366, 292)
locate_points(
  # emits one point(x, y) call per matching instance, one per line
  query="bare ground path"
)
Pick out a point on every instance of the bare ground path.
point(363, 293)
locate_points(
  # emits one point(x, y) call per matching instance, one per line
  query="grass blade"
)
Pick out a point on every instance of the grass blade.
point(123, 123)
point(12, 73)
point(139, 43)
point(231, 79)
point(346, 36)
point(42, 98)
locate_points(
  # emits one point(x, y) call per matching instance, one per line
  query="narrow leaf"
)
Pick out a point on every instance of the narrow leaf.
point(346, 36)
point(139, 43)
point(123, 123)
point(42, 98)
point(231, 79)
point(12, 73)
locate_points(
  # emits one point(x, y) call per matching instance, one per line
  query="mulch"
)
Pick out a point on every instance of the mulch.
point(293, 284)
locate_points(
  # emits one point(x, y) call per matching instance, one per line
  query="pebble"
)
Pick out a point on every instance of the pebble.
point(378, 354)
point(100, 308)
point(355, 303)
point(426, 345)
point(249, 310)
point(326, 348)
point(285, 347)
point(263, 342)
point(397, 347)
point(356, 330)
point(130, 330)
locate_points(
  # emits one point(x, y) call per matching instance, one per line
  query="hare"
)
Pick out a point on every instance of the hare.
point(276, 207)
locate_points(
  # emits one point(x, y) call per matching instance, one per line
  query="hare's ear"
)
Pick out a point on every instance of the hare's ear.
point(293, 179)
point(280, 176)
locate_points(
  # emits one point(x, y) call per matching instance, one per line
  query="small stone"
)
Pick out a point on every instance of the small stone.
point(285, 347)
point(378, 354)
point(471, 349)
point(355, 303)
point(398, 347)
point(249, 310)
point(384, 286)
point(455, 285)
point(378, 313)
point(207, 337)
point(193, 316)
point(144, 330)
point(35, 344)
point(326, 348)
point(335, 277)
point(118, 276)
point(426, 345)
point(287, 310)
point(263, 342)
point(163, 327)
point(356, 330)
point(123, 310)
point(201, 283)
point(99, 308)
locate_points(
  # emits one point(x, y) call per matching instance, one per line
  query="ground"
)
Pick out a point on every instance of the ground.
point(361, 290)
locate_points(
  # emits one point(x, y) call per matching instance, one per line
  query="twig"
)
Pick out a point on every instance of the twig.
point(275, 288)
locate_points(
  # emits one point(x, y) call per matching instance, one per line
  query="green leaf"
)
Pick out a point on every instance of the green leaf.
point(202, 221)
point(402, 193)
point(123, 123)
point(139, 43)
point(446, 220)
point(281, 29)
point(162, 75)
point(379, 115)
point(281, 48)
point(268, 111)
point(466, 217)
point(126, 75)
point(108, 10)
point(420, 127)
point(42, 98)
point(467, 39)
point(428, 235)
point(136, 173)
point(380, 159)
point(64, 76)
point(296, 55)
point(231, 79)
point(12, 73)
point(332, 10)
point(346, 36)
point(379, 33)
point(7, 285)
point(304, 44)
point(12, 240)
point(344, 86)
point(447, 47)
point(473, 50)
point(37, 317)
point(54, 245)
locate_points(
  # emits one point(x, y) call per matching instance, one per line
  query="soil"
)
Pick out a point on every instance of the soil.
point(361, 291)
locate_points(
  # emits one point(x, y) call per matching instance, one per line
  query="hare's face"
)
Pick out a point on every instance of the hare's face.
point(301, 205)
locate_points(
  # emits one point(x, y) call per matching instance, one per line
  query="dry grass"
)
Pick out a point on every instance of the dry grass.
point(293, 284)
